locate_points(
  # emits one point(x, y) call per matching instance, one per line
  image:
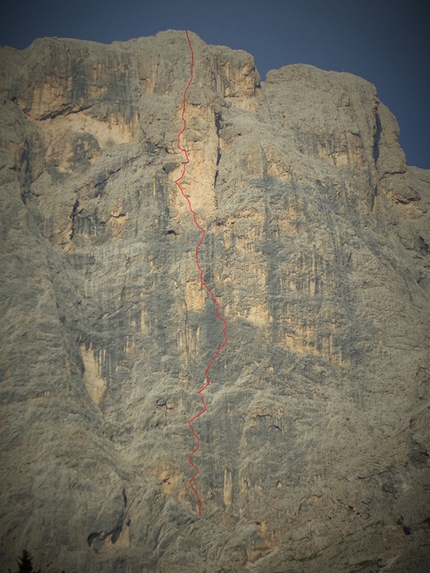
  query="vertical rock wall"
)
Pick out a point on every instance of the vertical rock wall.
point(315, 446)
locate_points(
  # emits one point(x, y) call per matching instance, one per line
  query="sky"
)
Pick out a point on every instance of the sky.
point(387, 42)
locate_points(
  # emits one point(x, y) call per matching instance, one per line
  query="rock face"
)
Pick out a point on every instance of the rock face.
point(314, 451)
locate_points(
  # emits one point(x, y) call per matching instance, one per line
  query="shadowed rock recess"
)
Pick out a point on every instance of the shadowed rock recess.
point(315, 446)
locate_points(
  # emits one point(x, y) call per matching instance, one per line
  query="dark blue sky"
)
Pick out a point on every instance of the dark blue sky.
point(384, 41)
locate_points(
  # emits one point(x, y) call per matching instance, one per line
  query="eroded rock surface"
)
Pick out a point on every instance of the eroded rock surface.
point(315, 446)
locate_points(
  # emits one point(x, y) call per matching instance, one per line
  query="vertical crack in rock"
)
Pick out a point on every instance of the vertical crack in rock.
point(218, 125)
point(377, 138)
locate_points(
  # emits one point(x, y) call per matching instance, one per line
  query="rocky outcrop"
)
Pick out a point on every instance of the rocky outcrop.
point(315, 447)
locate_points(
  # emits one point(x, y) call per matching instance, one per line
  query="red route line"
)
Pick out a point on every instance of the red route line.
point(202, 282)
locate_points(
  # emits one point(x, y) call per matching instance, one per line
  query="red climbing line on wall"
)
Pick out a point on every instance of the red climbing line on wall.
point(202, 282)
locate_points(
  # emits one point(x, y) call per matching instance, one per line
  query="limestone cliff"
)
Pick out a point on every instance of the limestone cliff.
point(314, 450)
